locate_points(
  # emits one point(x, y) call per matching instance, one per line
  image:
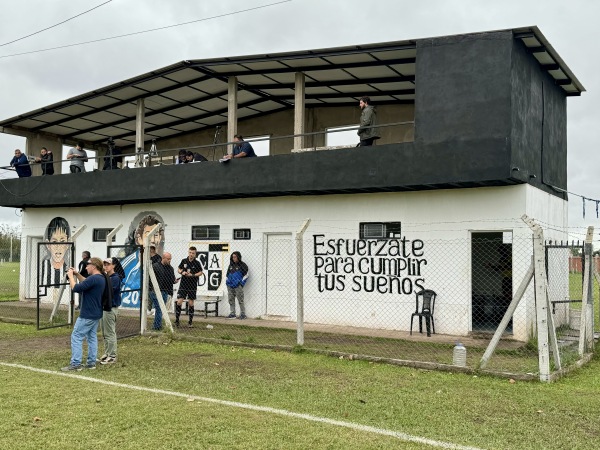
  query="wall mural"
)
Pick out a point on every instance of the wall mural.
point(57, 260)
point(139, 228)
point(387, 266)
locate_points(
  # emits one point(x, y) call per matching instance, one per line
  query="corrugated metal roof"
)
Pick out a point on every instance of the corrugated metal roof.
point(192, 95)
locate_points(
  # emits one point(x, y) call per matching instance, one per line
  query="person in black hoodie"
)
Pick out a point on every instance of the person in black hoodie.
point(47, 161)
point(237, 274)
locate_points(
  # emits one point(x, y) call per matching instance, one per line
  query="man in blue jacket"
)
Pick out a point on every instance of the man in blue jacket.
point(237, 274)
point(86, 325)
point(21, 164)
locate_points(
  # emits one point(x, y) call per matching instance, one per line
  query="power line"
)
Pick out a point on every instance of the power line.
point(53, 26)
point(148, 31)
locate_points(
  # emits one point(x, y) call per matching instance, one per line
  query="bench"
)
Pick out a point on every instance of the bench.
point(211, 303)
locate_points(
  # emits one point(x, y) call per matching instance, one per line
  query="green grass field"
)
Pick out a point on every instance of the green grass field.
point(9, 281)
point(48, 411)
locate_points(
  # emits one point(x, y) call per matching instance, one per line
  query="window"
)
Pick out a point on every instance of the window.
point(262, 147)
point(206, 232)
point(242, 233)
point(101, 233)
point(345, 135)
point(380, 230)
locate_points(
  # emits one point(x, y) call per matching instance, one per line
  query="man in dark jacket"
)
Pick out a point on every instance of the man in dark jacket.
point(368, 119)
point(21, 164)
point(47, 161)
point(237, 274)
point(86, 325)
point(165, 275)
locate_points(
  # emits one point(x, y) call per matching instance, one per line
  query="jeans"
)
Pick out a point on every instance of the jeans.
point(109, 331)
point(84, 329)
point(157, 310)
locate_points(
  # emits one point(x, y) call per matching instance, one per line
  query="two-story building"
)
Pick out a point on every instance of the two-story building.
point(473, 136)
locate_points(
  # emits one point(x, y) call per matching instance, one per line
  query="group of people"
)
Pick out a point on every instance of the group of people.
point(20, 162)
point(99, 302)
point(190, 270)
point(94, 278)
point(368, 133)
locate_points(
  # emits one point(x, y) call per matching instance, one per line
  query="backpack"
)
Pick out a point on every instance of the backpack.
point(107, 294)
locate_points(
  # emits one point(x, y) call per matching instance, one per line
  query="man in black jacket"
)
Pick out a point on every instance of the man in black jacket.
point(165, 275)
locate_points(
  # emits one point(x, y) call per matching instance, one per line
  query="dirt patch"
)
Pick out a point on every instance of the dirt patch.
point(10, 348)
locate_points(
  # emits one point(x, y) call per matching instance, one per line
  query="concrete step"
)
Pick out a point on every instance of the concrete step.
point(574, 319)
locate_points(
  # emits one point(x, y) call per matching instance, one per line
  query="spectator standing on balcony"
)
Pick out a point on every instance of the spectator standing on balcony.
point(47, 161)
point(190, 270)
point(237, 274)
point(165, 275)
point(368, 119)
point(241, 149)
point(21, 164)
point(78, 157)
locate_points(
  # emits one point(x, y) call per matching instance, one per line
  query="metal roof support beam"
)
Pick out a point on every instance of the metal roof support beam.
point(139, 132)
point(299, 110)
point(232, 105)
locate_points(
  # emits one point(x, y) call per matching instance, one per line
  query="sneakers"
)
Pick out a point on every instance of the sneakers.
point(242, 316)
point(231, 316)
point(109, 360)
point(72, 368)
point(90, 366)
point(151, 312)
point(102, 358)
point(190, 325)
point(177, 323)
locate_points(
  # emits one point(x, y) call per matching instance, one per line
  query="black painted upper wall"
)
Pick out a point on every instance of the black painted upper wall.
point(539, 122)
point(483, 107)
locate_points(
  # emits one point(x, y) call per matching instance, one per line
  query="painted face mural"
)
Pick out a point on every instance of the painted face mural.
point(54, 264)
point(139, 229)
point(58, 233)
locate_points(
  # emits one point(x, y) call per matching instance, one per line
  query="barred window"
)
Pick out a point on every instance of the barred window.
point(101, 233)
point(206, 232)
point(242, 234)
point(380, 230)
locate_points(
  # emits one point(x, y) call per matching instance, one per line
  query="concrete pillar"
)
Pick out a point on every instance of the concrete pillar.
point(33, 147)
point(139, 132)
point(232, 106)
point(299, 109)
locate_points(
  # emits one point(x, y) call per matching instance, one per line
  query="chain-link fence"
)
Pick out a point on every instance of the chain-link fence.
point(404, 301)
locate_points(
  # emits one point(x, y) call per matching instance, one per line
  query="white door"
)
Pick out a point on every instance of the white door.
point(280, 274)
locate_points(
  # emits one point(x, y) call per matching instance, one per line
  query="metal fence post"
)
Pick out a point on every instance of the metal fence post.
point(300, 283)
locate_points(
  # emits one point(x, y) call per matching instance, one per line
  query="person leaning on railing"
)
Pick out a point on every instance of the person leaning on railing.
point(21, 164)
point(241, 149)
point(47, 160)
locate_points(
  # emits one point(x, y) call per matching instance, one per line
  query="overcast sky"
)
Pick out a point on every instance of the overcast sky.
point(35, 80)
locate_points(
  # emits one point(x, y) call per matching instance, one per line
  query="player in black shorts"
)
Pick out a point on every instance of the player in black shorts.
point(190, 270)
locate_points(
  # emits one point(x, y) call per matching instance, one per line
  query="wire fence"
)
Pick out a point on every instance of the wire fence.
point(403, 301)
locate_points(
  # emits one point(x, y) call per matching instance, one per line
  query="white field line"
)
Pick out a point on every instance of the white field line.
point(266, 409)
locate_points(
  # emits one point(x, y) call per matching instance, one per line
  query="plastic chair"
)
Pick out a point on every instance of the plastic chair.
point(425, 304)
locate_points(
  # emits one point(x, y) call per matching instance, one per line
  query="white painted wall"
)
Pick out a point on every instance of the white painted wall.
point(442, 219)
